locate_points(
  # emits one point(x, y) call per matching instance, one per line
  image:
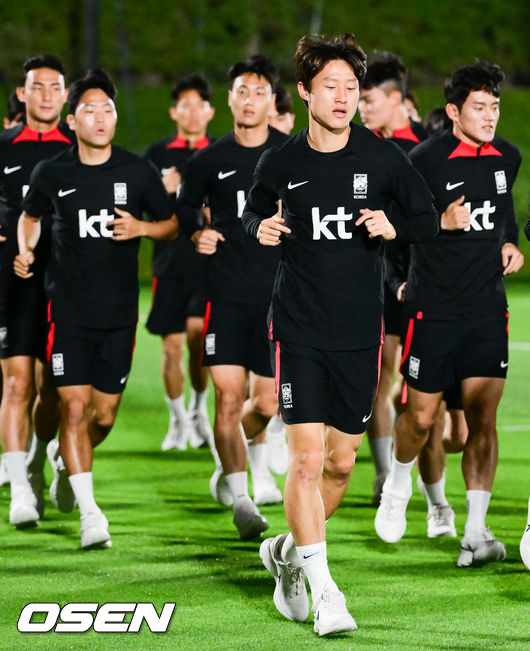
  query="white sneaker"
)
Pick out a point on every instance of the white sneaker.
point(524, 547)
point(378, 489)
point(265, 490)
point(248, 520)
point(61, 493)
point(277, 450)
point(23, 508)
point(480, 546)
point(441, 521)
point(4, 477)
point(201, 434)
point(390, 519)
point(331, 614)
point(219, 488)
point(36, 481)
point(178, 434)
point(94, 530)
point(290, 594)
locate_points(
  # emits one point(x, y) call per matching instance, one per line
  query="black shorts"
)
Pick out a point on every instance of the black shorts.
point(453, 396)
point(393, 313)
point(99, 358)
point(337, 388)
point(174, 301)
point(23, 322)
point(236, 334)
point(438, 354)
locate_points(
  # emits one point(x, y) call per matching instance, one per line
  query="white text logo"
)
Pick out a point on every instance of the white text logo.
point(320, 226)
point(241, 201)
point(486, 210)
point(87, 224)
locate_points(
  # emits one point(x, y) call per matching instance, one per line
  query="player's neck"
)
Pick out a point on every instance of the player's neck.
point(325, 140)
point(191, 138)
point(89, 155)
point(397, 121)
point(41, 127)
point(468, 140)
point(251, 136)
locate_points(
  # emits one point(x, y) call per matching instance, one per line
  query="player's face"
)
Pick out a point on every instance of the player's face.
point(334, 95)
point(284, 122)
point(191, 113)
point(376, 108)
point(477, 120)
point(95, 119)
point(44, 95)
point(250, 100)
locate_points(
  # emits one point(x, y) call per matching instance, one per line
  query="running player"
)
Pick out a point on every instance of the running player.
point(178, 272)
point(456, 329)
point(326, 313)
point(93, 278)
point(23, 304)
point(240, 276)
point(382, 110)
point(281, 115)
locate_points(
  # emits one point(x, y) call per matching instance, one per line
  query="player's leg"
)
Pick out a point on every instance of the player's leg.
point(455, 435)
point(198, 407)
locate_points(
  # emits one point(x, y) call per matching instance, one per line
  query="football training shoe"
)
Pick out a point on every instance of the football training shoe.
point(23, 508)
point(201, 434)
point(94, 530)
point(248, 520)
point(4, 477)
point(331, 614)
point(219, 488)
point(524, 547)
point(441, 522)
point(277, 450)
point(479, 546)
point(36, 481)
point(390, 519)
point(265, 490)
point(61, 493)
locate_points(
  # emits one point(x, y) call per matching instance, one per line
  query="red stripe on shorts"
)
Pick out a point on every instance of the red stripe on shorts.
point(380, 354)
point(207, 312)
point(154, 284)
point(277, 369)
point(404, 393)
point(507, 323)
point(49, 343)
point(408, 342)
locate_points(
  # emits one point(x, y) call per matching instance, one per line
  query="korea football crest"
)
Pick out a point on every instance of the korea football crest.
point(500, 182)
point(120, 194)
point(360, 186)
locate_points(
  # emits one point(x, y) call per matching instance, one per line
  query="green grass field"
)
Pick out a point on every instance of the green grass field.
point(173, 543)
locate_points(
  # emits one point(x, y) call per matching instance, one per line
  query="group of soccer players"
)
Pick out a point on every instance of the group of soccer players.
point(300, 267)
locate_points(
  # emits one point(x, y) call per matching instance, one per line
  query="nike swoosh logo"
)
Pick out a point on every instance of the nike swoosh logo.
point(124, 379)
point(504, 364)
point(367, 418)
point(10, 170)
point(224, 175)
point(63, 193)
point(309, 555)
point(292, 186)
point(452, 186)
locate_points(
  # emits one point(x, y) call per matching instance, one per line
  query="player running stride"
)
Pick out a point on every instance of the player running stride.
point(336, 181)
point(97, 193)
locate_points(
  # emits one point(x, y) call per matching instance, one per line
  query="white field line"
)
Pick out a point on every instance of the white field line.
point(520, 345)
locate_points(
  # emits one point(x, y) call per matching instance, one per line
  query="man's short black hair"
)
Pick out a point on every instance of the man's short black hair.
point(258, 64)
point(96, 78)
point(16, 110)
point(481, 75)
point(386, 69)
point(437, 120)
point(314, 52)
point(284, 100)
point(192, 81)
point(42, 61)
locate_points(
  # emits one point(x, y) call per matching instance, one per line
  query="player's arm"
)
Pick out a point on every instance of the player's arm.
point(28, 232)
point(396, 267)
point(127, 227)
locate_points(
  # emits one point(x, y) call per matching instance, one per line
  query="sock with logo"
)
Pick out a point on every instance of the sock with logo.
point(399, 476)
point(381, 449)
point(238, 484)
point(36, 455)
point(314, 562)
point(477, 507)
point(83, 488)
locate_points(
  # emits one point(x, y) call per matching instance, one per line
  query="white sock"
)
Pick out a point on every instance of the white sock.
point(381, 449)
point(477, 507)
point(36, 455)
point(198, 400)
point(257, 459)
point(84, 492)
point(288, 551)
point(400, 475)
point(16, 469)
point(313, 560)
point(436, 493)
point(275, 425)
point(177, 408)
point(238, 484)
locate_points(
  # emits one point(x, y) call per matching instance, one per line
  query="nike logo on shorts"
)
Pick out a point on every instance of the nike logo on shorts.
point(124, 379)
point(10, 170)
point(452, 186)
point(224, 175)
point(367, 418)
point(292, 186)
point(504, 364)
point(63, 193)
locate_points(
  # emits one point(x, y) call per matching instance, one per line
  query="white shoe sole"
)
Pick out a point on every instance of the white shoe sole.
point(24, 517)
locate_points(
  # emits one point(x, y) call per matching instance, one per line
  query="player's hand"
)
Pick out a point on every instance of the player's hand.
point(401, 292)
point(126, 227)
point(376, 224)
point(206, 240)
point(456, 216)
point(270, 230)
point(512, 258)
point(22, 264)
point(171, 180)
point(2, 237)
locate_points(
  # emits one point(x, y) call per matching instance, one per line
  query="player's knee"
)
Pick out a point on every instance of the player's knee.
point(339, 469)
point(306, 465)
point(172, 350)
point(265, 407)
point(17, 389)
point(420, 421)
point(229, 404)
point(73, 412)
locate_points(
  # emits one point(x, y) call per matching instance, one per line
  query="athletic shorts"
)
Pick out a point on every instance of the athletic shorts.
point(174, 301)
point(438, 354)
point(453, 396)
point(23, 322)
point(236, 334)
point(337, 388)
point(99, 358)
point(393, 313)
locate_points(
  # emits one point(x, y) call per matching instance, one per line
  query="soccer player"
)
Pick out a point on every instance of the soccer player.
point(281, 115)
point(16, 111)
point(240, 276)
point(97, 193)
point(455, 303)
point(336, 181)
point(178, 272)
point(23, 304)
point(382, 110)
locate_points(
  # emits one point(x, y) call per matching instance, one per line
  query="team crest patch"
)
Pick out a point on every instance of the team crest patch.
point(120, 193)
point(287, 395)
point(57, 364)
point(3, 338)
point(414, 367)
point(360, 186)
point(209, 344)
point(500, 182)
